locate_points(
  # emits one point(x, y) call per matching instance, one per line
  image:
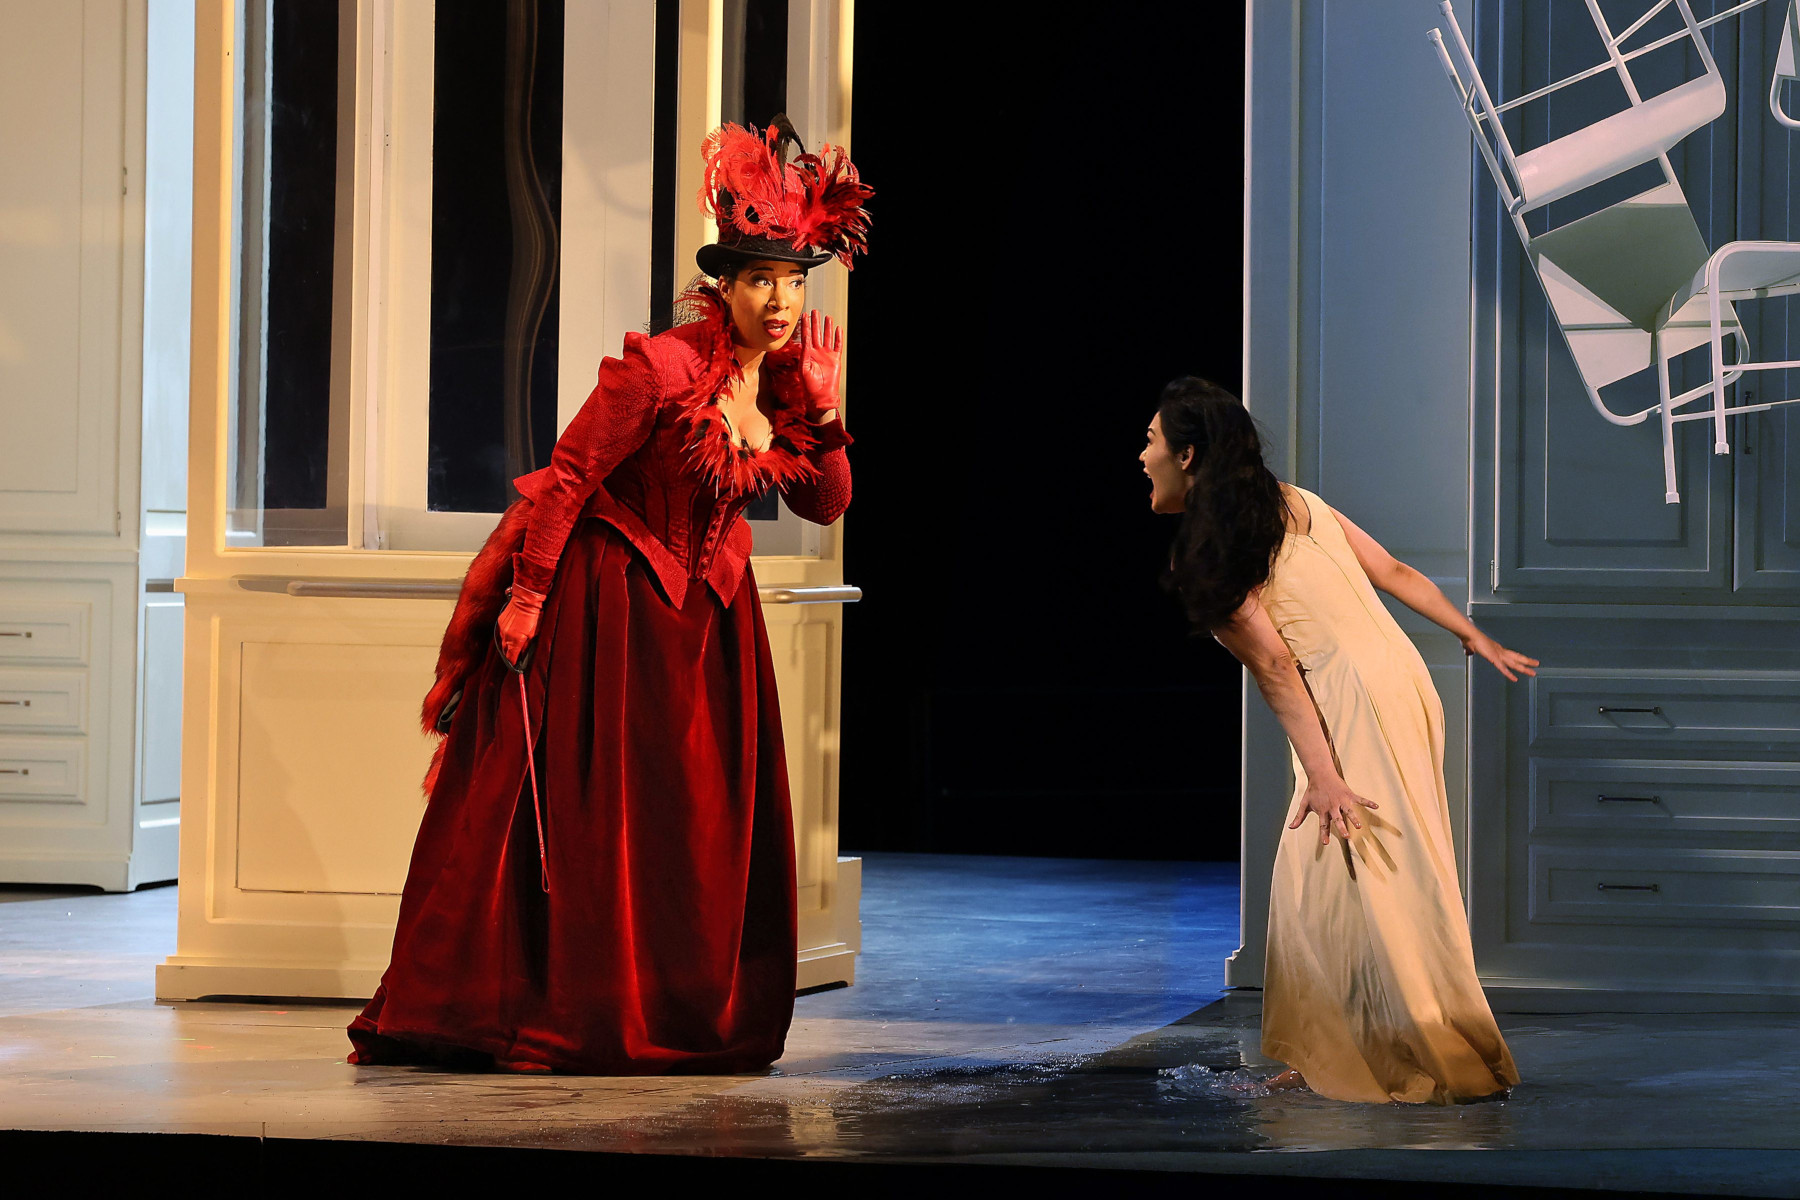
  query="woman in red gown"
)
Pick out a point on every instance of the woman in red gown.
point(603, 881)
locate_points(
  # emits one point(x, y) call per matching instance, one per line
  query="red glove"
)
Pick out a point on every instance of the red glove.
point(518, 623)
point(821, 364)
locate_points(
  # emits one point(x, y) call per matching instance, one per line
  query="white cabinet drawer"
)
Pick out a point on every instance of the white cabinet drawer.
point(1615, 709)
point(1664, 797)
point(43, 770)
point(1665, 888)
point(48, 701)
point(43, 632)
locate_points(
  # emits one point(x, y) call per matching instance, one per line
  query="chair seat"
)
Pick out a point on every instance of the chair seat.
point(1631, 256)
point(1617, 143)
point(1757, 268)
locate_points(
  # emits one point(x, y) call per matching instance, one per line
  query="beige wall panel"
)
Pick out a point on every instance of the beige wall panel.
point(330, 757)
point(300, 782)
point(803, 645)
point(805, 642)
point(831, 938)
point(63, 261)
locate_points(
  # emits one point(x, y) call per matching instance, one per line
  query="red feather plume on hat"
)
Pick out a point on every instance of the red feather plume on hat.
point(815, 202)
point(831, 215)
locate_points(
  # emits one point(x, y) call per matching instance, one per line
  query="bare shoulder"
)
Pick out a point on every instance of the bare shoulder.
point(1373, 556)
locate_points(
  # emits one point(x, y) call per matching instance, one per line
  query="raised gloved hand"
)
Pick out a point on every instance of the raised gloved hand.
point(518, 624)
point(821, 364)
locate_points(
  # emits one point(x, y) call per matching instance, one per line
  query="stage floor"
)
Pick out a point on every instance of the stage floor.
point(1006, 1011)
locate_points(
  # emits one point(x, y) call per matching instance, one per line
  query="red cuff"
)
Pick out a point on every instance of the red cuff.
point(529, 575)
point(830, 436)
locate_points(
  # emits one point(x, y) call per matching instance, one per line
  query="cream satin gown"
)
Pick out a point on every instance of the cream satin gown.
point(1370, 989)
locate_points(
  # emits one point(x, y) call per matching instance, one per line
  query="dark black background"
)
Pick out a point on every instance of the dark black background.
point(1058, 232)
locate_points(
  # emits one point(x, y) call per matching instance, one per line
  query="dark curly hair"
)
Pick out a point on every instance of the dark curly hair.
point(1235, 519)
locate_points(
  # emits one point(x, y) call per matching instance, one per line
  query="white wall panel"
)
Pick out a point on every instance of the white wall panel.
point(64, 261)
point(40, 248)
point(161, 736)
point(1356, 331)
point(74, 91)
point(65, 768)
point(168, 250)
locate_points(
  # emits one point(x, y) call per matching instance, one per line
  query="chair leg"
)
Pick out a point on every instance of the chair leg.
point(1717, 345)
point(1666, 411)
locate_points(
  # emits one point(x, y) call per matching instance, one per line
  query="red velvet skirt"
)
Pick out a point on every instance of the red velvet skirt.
point(666, 942)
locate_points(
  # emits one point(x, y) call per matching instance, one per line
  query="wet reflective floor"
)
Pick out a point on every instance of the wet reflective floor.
point(1006, 1010)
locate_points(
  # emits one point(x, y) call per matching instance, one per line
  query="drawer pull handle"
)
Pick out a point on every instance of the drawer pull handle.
point(15, 633)
point(1655, 710)
point(1630, 799)
point(15, 770)
point(15, 703)
point(1631, 887)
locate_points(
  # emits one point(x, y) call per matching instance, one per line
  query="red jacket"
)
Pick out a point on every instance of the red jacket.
point(649, 453)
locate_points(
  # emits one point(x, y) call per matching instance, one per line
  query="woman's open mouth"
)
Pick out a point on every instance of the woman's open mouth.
point(775, 328)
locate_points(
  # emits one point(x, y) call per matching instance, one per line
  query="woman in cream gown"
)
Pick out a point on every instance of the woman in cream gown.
point(1369, 991)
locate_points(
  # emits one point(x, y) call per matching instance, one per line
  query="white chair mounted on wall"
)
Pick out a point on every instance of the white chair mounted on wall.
point(1786, 67)
point(1633, 285)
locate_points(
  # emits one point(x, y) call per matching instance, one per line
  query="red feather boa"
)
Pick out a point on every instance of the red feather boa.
point(731, 469)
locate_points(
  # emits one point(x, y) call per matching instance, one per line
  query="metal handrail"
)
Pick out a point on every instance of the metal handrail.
point(827, 594)
point(373, 589)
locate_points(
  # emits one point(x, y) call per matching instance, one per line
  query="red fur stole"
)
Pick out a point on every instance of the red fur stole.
point(471, 626)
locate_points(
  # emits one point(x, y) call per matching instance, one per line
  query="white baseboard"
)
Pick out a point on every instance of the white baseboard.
point(179, 978)
point(109, 871)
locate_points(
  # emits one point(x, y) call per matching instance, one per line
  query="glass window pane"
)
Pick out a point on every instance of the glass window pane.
point(303, 149)
point(496, 211)
point(754, 74)
point(287, 486)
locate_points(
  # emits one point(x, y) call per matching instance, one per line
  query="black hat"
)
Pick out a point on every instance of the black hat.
point(717, 258)
point(807, 212)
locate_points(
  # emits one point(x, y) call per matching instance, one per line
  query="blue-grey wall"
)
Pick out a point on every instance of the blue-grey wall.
point(1626, 822)
point(1356, 347)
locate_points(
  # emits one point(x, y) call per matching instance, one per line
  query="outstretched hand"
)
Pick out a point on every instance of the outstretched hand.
point(821, 363)
point(1335, 805)
point(1509, 663)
